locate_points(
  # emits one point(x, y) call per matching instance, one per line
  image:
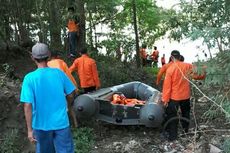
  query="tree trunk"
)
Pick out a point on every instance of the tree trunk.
point(209, 50)
point(219, 44)
point(81, 11)
point(42, 34)
point(136, 33)
point(54, 26)
point(90, 30)
point(23, 32)
point(7, 29)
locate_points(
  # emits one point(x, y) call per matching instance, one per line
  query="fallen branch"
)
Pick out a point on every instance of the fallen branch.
point(204, 131)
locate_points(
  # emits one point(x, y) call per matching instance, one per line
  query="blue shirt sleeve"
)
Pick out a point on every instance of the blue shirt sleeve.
point(27, 94)
point(69, 87)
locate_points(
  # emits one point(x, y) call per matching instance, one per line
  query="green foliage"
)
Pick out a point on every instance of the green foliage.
point(83, 139)
point(151, 70)
point(117, 16)
point(113, 72)
point(206, 19)
point(150, 20)
point(222, 100)
point(226, 145)
point(118, 41)
point(218, 69)
point(8, 142)
point(8, 69)
point(218, 79)
point(2, 81)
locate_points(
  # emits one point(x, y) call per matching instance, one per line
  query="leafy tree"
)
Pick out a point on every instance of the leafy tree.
point(46, 20)
point(206, 19)
point(119, 20)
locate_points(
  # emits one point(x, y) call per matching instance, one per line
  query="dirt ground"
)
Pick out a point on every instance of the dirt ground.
point(111, 138)
point(12, 116)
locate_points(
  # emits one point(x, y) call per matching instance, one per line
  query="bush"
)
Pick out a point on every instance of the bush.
point(226, 145)
point(151, 70)
point(218, 71)
point(113, 72)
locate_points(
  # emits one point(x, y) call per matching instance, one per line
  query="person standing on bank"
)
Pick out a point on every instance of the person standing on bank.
point(47, 94)
point(73, 31)
point(176, 92)
point(143, 55)
point(155, 56)
point(86, 69)
point(163, 60)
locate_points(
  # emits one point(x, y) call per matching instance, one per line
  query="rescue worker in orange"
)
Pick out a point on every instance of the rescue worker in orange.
point(164, 68)
point(155, 56)
point(163, 60)
point(86, 69)
point(56, 62)
point(73, 32)
point(143, 54)
point(176, 93)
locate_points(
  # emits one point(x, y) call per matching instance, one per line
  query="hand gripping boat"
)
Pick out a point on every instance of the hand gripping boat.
point(100, 105)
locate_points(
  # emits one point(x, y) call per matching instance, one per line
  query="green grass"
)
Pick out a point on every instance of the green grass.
point(83, 139)
point(8, 142)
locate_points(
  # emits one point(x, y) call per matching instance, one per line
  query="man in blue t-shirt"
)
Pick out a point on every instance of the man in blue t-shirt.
point(47, 94)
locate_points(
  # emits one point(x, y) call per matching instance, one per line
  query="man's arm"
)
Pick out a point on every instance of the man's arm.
point(95, 75)
point(201, 76)
point(70, 99)
point(28, 116)
point(73, 67)
point(160, 74)
point(68, 73)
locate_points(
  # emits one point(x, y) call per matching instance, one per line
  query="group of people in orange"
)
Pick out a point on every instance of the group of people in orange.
point(48, 92)
point(152, 59)
point(86, 69)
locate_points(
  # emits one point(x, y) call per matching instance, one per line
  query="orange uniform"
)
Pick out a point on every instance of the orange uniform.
point(72, 26)
point(155, 55)
point(86, 69)
point(121, 99)
point(143, 53)
point(60, 64)
point(162, 72)
point(176, 87)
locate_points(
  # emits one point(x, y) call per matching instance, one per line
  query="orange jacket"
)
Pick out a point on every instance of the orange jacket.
point(60, 64)
point(121, 99)
point(86, 69)
point(175, 86)
point(72, 26)
point(155, 55)
point(143, 53)
point(162, 72)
